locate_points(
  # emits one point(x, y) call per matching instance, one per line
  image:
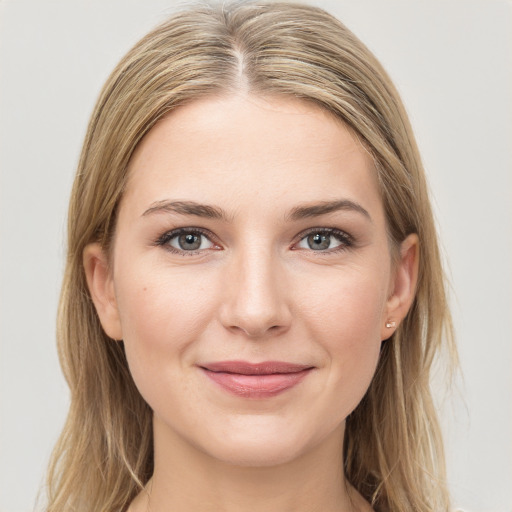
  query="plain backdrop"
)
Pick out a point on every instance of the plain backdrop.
point(451, 61)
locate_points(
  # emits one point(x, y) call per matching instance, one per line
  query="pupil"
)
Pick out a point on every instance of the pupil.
point(189, 241)
point(319, 241)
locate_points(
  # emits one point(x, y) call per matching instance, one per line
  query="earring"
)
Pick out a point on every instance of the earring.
point(390, 324)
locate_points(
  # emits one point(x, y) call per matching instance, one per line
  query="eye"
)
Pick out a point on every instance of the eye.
point(325, 240)
point(186, 240)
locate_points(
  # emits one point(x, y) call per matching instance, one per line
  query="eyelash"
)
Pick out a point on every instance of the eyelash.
point(346, 240)
point(164, 240)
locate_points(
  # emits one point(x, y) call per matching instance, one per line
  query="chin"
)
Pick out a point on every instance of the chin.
point(263, 443)
point(254, 453)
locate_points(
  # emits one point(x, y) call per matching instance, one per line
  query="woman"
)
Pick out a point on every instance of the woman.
point(253, 295)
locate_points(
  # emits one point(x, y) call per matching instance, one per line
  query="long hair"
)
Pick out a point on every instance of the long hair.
point(393, 452)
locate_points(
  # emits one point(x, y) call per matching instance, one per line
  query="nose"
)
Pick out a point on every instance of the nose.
point(255, 299)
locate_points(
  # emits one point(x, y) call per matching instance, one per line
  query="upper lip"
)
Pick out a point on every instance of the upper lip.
point(246, 368)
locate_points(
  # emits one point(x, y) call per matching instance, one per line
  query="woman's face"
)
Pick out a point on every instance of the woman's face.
point(251, 277)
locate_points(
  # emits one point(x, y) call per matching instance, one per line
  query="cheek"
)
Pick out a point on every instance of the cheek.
point(348, 304)
point(162, 315)
point(345, 318)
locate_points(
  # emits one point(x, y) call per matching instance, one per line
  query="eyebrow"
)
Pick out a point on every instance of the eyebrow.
point(214, 212)
point(325, 207)
point(186, 208)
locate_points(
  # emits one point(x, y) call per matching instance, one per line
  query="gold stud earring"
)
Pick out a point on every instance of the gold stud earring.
point(390, 324)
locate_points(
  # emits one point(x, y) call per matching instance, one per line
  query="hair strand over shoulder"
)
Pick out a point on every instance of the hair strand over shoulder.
point(393, 453)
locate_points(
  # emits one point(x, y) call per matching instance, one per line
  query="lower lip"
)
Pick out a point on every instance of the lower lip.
point(256, 386)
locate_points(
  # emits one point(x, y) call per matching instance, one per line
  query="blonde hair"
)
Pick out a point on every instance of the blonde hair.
point(393, 452)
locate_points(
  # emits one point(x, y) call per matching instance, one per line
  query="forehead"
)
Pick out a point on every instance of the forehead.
point(245, 149)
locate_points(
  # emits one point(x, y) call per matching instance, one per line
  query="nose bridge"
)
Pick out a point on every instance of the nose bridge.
point(256, 301)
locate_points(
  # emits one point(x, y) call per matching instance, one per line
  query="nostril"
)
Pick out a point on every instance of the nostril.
point(257, 332)
point(254, 307)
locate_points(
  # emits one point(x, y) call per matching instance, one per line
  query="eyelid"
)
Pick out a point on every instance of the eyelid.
point(346, 239)
point(163, 240)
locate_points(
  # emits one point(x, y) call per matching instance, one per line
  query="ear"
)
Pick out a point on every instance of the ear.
point(101, 287)
point(402, 286)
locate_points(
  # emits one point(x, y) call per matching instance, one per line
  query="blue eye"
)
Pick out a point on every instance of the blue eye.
point(325, 240)
point(185, 240)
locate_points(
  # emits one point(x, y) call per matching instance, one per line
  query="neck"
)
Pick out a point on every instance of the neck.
point(187, 479)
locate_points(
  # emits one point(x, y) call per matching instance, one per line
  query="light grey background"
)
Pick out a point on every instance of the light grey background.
point(452, 62)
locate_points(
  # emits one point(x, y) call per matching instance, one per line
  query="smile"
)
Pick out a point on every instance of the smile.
point(261, 380)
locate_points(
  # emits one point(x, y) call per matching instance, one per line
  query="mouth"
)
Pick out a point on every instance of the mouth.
point(260, 380)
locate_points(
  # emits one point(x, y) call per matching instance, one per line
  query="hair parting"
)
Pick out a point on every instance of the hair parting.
point(393, 452)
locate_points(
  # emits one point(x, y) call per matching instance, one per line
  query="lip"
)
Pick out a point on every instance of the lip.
point(255, 380)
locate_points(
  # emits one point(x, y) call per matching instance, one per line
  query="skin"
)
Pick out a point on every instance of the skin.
point(256, 291)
